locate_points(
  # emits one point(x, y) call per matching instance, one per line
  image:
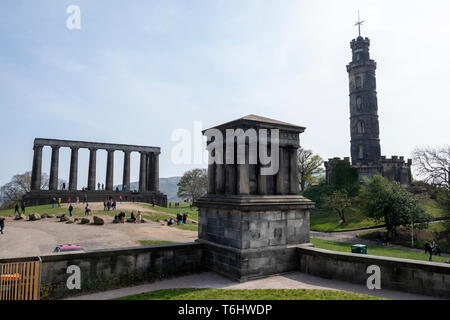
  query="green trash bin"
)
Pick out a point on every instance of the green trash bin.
point(359, 248)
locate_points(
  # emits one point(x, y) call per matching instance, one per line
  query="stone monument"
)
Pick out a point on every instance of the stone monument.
point(250, 222)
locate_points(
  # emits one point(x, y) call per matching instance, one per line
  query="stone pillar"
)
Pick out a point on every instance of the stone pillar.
point(212, 176)
point(243, 176)
point(73, 175)
point(92, 169)
point(126, 170)
point(279, 184)
point(149, 171)
point(142, 173)
point(36, 173)
point(293, 171)
point(110, 171)
point(220, 177)
point(262, 182)
point(53, 184)
point(156, 172)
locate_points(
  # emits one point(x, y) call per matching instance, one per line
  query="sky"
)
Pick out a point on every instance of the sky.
point(138, 71)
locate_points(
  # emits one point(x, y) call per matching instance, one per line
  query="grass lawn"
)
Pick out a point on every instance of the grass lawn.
point(47, 208)
point(375, 250)
point(172, 212)
point(439, 231)
point(256, 294)
point(192, 227)
point(155, 242)
point(326, 220)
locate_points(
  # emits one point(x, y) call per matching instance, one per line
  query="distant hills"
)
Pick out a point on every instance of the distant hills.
point(167, 186)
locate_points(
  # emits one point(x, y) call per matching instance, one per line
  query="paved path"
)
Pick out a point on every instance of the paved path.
point(293, 280)
point(351, 237)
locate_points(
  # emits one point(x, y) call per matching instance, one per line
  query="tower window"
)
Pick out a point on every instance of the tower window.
point(360, 152)
point(358, 82)
point(358, 57)
point(358, 103)
point(360, 127)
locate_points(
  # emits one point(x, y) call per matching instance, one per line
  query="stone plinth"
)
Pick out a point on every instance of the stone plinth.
point(251, 221)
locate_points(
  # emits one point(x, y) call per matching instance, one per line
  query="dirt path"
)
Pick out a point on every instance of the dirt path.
point(30, 238)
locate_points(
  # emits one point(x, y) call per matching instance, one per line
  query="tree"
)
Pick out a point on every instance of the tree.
point(388, 201)
point(339, 201)
point(193, 184)
point(19, 185)
point(343, 176)
point(433, 165)
point(309, 167)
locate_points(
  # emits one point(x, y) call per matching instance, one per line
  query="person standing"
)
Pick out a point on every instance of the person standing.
point(2, 224)
point(16, 208)
point(103, 186)
point(23, 207)
point(59, 202)
point(78, 200)
point(69, 200)
point(53, 202)
point(87, 210)
point(98, 186)
point(70, 209)
point(85, 199)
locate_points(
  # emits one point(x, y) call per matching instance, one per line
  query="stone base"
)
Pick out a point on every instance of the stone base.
point(248, 237)
point(36, 198)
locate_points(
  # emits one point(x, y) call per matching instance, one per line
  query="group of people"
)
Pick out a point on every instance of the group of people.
point(432, 248)
point(110, 204)
point(181, 219)
point(22, 207)
point(121, 217)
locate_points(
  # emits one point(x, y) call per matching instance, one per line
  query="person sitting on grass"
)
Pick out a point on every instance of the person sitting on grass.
point(185, 216)
point(139, 217)
point(132, 219)
point(122, 217)
point(179, 218)
point(116, 219)
point(170, 222)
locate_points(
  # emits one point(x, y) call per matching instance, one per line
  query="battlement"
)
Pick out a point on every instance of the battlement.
point(332, 161)
point(396, 160)
point(360, 43)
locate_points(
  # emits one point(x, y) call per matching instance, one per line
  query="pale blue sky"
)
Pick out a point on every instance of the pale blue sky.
point(138, 70)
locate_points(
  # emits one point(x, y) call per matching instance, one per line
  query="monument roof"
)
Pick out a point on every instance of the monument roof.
point(253, 119)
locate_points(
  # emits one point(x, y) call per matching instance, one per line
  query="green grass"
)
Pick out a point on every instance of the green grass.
point(439, 231)
point(172, 212)
point(256, 294)
point(44, 209)
point(433, 208)
point(375, 250)
point(155, 242)
point(326, 220)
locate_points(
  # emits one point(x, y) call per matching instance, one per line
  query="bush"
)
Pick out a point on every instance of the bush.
point(319, 193)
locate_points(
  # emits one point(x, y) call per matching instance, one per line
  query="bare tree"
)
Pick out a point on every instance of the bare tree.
point(433, 165)
point(19, 185)
point(309, 167)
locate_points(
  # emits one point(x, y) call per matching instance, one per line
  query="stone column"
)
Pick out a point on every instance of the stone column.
point(149, 171)
point(262, 182)
point(126, 170)
point(92, 169)
point(73, 175)
point(142, 173)
point(211, 175)
point(37, 168)
point(293, 171)
point(243, 177)
point(53, 184)
point(110, 171)
point(155, 172)
point(279, 184)
point(220, 177)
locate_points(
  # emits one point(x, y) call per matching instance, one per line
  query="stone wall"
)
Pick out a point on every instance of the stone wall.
point(106, 269)
point(420, 277)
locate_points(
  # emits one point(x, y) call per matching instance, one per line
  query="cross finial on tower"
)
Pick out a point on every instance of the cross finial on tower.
point(359, 23)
